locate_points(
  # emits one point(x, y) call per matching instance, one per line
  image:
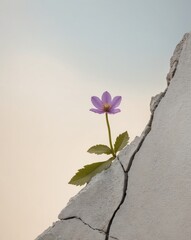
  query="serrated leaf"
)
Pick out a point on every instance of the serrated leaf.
point(100, 149)
point(85, 174)
point(121, 141)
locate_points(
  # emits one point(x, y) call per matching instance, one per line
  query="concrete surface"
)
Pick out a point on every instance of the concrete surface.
point(157, 204)
point(96, 203)
point(71, 229)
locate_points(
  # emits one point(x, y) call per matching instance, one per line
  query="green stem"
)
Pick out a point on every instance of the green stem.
point(109, 132)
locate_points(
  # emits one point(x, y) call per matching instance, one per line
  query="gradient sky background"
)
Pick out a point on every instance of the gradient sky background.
point(54, 56)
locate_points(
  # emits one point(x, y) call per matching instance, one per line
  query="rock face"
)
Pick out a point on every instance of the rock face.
point(146, 193)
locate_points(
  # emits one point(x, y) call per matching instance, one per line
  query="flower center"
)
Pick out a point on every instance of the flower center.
point(106, 107)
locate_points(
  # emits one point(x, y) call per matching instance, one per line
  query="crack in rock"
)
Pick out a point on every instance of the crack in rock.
point(154, 104)
point(123, 198)
point(78, 218)
point(55, 232)
point(121, 164)
point(106, 184)
point(113, 238)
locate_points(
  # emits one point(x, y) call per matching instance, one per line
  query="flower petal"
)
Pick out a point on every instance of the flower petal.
point(97, 110)
point(97, 102)
point(106, 97)
point(116, 101)
point(114, 111)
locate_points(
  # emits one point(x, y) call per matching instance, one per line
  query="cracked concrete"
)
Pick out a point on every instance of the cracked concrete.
point(96, 203)
point(71, 229)
point(127, 156)
point(74, 217)
point(158, 201)
point(145, 193)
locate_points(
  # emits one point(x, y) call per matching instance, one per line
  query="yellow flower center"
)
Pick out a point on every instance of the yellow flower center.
point(106, 107)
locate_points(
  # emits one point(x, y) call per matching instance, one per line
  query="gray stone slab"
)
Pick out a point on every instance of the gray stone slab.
point(157, 204)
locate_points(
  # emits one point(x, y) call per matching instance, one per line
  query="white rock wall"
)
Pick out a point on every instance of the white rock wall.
point(146, 193)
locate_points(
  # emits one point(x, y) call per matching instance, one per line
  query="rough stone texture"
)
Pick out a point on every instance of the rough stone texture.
point(145, 194)
point(155, 101)
point(175, 58)
point(157, 205)
point(126, 154)
point(96, 203)
point(72, 229)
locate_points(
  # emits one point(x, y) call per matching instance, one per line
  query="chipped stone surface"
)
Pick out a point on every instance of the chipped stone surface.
point(157, 204)
point(127, 154)
point(145, 194)
point(175, 58)
point(72, 229)
point(96, 203)
point(155, 101)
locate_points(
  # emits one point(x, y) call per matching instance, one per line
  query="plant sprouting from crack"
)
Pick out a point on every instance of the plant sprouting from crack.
point(106, 105)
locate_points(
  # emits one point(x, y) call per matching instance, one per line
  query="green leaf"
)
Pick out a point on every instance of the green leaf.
point(85, 174)
point(100, 149)
point(121, 141)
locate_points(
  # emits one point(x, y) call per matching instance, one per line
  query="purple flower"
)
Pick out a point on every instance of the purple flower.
point(106, 104)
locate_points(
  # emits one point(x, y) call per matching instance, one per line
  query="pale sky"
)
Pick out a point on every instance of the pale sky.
point(54, 56)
